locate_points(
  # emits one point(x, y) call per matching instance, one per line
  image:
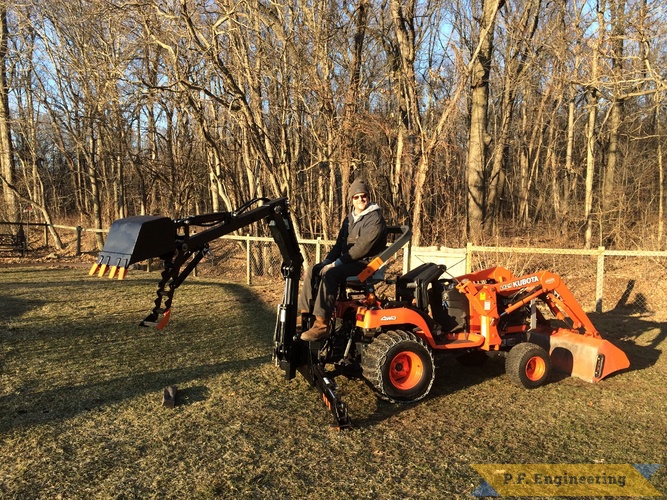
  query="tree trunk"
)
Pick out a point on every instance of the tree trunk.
point(517, 54)
point(478, 139)
point(348, 133)
point(661, 177)
point(409, 134)
point(6, 147)
point(609, 201)
point(592, 102)
point(590, 165)
point(96, 206)
point(568, 175)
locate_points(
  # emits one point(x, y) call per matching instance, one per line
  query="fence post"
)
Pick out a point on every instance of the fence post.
point(78, 240)
point(468, 258)
point(248, 277)
point(318, 250)
point(407, 257)
point(599, 280)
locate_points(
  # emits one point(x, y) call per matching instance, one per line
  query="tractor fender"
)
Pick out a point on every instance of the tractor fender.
point(374, 319)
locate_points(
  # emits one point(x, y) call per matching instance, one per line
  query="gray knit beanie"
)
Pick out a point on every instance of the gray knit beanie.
point(358, 186)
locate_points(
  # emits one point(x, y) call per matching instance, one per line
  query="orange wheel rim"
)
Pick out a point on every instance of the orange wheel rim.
point(535, 368)
point(405, 370)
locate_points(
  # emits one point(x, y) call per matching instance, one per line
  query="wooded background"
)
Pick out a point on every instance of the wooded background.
point(473, 120)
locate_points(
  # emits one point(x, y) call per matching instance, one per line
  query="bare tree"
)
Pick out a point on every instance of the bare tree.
point(521, 27)
point(452, 110)
point(6, 148)
point(479, 139)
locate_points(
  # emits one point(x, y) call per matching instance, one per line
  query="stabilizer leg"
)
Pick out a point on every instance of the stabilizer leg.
point(315, 374)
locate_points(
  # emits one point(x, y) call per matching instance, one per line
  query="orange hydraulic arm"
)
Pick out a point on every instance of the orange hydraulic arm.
point(482, 287)
point(552, 291)
point(577, 349)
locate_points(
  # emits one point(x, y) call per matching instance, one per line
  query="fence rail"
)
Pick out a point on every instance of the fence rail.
point(616, 279)
point(613, 278)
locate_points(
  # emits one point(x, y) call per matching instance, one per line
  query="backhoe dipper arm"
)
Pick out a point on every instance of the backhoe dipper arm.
point(134, 239)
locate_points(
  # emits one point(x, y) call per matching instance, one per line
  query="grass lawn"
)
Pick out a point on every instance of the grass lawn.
point(81, 416)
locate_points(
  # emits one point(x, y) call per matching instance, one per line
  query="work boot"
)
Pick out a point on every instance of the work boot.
point(299, 328)
point(318, 330)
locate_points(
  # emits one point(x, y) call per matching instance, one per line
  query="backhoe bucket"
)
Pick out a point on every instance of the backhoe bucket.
point(586, 357)
point(134, 239)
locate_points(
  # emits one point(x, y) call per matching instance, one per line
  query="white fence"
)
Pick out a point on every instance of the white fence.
point(603, 280)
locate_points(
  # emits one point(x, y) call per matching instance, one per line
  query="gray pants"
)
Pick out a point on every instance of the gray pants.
point(327, 290)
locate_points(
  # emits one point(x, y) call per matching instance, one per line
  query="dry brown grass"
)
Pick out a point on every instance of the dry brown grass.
point(81, 387)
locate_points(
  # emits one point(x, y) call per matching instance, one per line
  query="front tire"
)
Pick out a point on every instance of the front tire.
point(528, 365)
point(399, 366)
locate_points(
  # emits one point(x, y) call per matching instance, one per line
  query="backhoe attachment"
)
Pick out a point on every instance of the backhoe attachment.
point(182, 243)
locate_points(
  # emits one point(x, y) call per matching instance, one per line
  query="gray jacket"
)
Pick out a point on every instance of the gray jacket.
point(361, 240)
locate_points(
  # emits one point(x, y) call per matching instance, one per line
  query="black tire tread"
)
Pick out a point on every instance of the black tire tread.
point(516, 361)
point(375, 356)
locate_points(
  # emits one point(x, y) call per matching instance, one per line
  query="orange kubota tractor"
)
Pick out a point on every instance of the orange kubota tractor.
point(392, 342)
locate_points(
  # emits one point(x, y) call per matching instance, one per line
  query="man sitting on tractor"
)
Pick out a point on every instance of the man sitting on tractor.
point(362, 237)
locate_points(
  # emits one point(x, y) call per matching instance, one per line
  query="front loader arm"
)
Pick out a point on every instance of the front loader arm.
point(577, 349)
point(559, 298)
point(543, 285)
point(550, 289)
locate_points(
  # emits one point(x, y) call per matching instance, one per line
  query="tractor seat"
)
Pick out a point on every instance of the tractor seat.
point(377, 277)
point(354, 288)
point(401, 236)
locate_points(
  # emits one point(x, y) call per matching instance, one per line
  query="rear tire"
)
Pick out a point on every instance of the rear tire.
point(528, 365)
point(399, 366)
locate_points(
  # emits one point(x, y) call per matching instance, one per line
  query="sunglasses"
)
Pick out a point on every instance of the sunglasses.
point(362, 196)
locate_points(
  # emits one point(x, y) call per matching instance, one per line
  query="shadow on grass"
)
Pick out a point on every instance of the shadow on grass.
point(12, 307)
point(191, 395)
point(629, 320)
point(50, 360)
point(257, 320)
point(25, 410)
point(624, 332)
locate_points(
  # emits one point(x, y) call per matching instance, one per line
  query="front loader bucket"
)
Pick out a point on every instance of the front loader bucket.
point(134, 239)
point(586, 357)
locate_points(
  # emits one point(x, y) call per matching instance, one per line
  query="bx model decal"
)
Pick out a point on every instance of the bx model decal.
point(520, 283)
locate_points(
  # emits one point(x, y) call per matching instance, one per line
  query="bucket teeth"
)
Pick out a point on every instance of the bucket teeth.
point(93, 269)
point(119, 271)
point(103, 270)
